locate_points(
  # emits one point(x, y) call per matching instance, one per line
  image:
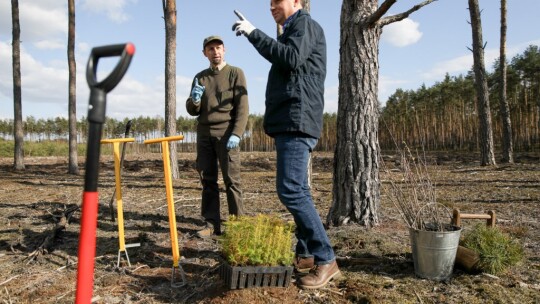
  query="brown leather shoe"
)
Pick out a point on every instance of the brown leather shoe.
point(319, 276)
point(303, 264)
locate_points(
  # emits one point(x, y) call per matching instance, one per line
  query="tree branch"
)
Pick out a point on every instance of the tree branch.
point(385, 6)
point(62, 223)
point(399, 17)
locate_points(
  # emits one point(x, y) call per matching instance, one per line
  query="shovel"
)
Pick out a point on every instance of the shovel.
point(96, 118)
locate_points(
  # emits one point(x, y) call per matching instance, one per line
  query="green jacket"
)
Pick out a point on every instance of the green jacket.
point(224, 106)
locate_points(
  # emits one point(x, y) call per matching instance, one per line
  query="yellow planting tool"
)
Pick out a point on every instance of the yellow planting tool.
point(170, 203)
point(119, 206)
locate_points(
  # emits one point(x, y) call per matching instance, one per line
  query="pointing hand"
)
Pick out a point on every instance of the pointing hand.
point(242, 26)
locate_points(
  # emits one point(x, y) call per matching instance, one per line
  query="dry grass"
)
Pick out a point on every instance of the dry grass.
point(380, 268)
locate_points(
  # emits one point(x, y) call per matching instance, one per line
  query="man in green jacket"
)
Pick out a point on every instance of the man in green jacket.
point(219, 100)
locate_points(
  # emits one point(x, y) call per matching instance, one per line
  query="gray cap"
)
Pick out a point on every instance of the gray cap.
point(210, 39)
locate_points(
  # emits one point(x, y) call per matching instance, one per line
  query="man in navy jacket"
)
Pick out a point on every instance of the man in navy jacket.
point(293, 117)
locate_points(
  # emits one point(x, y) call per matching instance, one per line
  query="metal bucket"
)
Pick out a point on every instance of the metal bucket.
point(434, 252)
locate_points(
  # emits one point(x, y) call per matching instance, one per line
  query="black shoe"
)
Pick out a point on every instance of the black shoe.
point(209, 230)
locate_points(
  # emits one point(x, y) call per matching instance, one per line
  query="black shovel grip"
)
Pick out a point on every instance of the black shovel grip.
point(98, 102)
point(125, 51)
point(99, 90)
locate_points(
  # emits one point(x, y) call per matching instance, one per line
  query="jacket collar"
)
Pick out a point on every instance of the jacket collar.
point(293, 17)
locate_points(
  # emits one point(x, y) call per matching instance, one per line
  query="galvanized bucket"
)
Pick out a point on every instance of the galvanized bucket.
point(434, 252)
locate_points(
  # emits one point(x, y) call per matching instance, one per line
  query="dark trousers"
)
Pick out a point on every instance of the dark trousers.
point(210, 152)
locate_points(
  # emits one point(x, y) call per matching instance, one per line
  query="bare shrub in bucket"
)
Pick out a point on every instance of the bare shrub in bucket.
point(434, 241)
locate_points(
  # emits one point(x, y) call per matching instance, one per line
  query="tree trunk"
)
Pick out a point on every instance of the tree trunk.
point(73, 167)
point(356, 189)
point(484, 112)
point(18, 132)
point(169, 10)
point(507, 145)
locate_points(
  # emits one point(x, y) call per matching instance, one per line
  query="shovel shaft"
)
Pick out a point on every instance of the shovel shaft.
point(87, 248)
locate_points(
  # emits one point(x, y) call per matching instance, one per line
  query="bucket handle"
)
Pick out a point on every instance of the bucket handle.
point(421, 225)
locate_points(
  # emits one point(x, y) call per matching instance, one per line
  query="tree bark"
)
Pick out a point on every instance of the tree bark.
point(18, 132)
point(73, 167)
point(169, 11)
point(487, 155)
point(356, 188)
point(507, 144)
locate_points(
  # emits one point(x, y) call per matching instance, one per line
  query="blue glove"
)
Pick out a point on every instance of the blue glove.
point(196, 92)
point(233, 142)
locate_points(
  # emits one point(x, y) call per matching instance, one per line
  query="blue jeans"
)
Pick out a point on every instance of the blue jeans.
point(293, 152)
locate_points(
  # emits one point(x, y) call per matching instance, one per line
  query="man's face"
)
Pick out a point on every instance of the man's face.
point(283, 9)
point(215, 52)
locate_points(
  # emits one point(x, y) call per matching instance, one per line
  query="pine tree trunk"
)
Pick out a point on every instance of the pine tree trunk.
point(356, 188)
point(169, 10)
point(484, 113)
point(73, 167)
point(18, 132)
point(507, 145)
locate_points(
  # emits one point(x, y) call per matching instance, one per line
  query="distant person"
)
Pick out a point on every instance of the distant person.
point(293, 117)
point(219, 100)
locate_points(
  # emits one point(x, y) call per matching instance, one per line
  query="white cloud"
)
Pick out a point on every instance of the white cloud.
point(463, 64)
point(460, 65)
point(45, 86)
point(38, 20)
point(115, 10)
point(455, 66)
point(452, 66)
point(133, 98)
point(388, 86)
point(83, 48)
point(39, 82)
point(50, 45)
point(402, 33)
point(5, 18)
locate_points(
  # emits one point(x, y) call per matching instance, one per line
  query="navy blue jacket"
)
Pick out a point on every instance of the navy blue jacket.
point(295, 88)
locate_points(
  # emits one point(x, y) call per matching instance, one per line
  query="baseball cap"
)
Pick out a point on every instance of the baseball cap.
point(210, 39)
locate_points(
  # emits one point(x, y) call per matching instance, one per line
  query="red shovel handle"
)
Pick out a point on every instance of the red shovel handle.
point(87, 248)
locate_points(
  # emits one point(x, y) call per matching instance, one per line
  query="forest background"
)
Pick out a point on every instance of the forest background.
point(440, 117)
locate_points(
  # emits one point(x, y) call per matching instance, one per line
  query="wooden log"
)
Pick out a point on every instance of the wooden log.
point(467, 259)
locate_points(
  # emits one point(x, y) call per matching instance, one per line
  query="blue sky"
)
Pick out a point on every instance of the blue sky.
point(419, 50)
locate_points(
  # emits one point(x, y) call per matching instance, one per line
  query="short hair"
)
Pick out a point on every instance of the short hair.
point(302, 2)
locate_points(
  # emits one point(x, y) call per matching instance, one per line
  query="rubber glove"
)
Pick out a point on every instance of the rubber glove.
point(233, 142)
point(242, 26)
point(196, 92)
